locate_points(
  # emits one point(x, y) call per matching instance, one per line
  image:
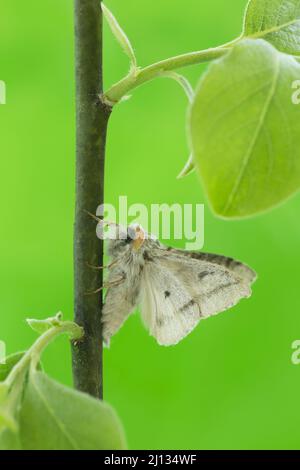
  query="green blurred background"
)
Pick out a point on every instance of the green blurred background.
point(231, 383)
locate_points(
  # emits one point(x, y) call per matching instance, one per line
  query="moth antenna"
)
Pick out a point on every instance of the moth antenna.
point(98, 219)
point(93, 216)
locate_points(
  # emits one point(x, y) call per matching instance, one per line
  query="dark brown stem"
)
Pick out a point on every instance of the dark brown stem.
point(91, 126)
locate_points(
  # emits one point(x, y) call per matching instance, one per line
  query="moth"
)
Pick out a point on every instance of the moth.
point(174, 288)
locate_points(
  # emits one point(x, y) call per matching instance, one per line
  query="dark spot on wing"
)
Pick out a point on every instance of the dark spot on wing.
point(187, 305)
point(169, 248)
point(147, 257)
point(132, 295)
point(127, 240)
point(160, 322)
point(194, 255)
point(228, 262)
point(203, 274)
point(167, 294)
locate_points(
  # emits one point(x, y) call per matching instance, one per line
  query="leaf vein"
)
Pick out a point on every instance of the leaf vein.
point(275, 29)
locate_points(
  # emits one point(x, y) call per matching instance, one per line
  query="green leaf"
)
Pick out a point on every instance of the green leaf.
point(4, 389)
point(56, 417)
point(182, 81)
point(40, 326)
point(10, 362)
point(245, 130)
point(119, 35)
point(8, 410)
point(7, 419)
point(8, 406)
point(9, 440)
point(276, 21)
point(188, 168)
point(8, 424)
point(188, 89)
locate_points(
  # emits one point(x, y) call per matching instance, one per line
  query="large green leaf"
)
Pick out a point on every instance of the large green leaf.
point(56, 417)
point(276, 21)
point(245, 130)
point(9, 440)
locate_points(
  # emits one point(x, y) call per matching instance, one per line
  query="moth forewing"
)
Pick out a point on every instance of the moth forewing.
point(239, 268)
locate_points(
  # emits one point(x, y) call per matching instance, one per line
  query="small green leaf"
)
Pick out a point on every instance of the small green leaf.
point(10, 397)
point(182, 81)
point(119, 35)
point(7, 409)
point(276, 21)
point(188, 89)
point(245, 130)
point(40, 326)
point(10, 362)
point(56, 417)
point(7, 419)
point(188, 168)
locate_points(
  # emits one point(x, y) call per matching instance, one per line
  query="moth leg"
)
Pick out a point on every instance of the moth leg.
point(108, 266)
point(95, 291)
point(107, 285)
point(96, 267)
point(115, 282)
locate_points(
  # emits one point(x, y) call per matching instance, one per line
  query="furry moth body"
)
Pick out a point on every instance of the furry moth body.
point(174, 288)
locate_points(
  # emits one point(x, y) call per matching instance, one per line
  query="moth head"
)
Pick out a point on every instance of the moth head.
point(137, 236)
point(125, 238)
